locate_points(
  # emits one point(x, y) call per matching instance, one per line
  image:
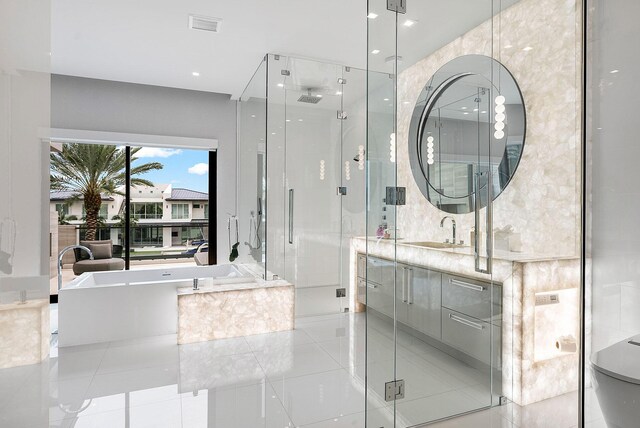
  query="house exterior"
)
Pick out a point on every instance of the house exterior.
point(162, 215)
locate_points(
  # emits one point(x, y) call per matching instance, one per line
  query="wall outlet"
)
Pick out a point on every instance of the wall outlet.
point(341, 292)
point(547, 299)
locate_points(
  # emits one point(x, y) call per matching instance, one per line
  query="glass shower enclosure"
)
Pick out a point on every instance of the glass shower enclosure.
point(301, 176)
point(471, 290)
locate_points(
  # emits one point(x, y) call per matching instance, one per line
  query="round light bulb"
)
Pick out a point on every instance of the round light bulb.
point(500, 108)
point(430, 161)
point(499, 135)
point(430, 139)
point(500, 117)
point(500, 100)
point(430, 156)
point(429, 145)
point(499, 126)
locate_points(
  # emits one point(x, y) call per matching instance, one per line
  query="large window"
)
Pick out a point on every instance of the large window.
point(179, 211)
point(146, 210)
point(63, 209)
point(146, 236)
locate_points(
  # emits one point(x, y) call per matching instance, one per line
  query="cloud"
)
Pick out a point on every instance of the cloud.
point(156, 152)
point(199, 169)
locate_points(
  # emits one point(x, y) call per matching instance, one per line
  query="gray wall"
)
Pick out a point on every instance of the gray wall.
point(102, 105)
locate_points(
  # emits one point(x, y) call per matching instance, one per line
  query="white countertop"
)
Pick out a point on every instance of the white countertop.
point(465, 251)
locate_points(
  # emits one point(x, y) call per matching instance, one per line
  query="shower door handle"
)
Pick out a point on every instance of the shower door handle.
point(488, 225)
point(290, 216)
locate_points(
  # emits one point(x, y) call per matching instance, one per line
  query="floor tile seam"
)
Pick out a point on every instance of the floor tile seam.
point(285, 377)
point(273, 388)
point(268, 381)
point(123, 407)
point(329, 419)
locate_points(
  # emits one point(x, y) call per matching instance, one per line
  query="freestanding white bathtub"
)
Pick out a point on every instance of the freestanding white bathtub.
point(110, 306)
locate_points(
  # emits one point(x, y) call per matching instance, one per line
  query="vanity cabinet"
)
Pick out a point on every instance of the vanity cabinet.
point(462, 313)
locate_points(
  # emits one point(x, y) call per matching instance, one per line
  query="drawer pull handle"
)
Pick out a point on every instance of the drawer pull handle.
point(372, 286)
point(473, 287)
point(466, 322)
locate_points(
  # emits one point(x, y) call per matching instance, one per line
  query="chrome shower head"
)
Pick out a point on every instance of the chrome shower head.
point(310, 98)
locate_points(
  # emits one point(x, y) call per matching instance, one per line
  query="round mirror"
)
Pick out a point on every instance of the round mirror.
point(467, 133)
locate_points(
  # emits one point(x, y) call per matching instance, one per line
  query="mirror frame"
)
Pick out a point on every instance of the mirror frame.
point(439, 82)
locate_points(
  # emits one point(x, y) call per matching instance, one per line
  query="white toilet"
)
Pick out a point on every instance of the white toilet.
point(616, 379)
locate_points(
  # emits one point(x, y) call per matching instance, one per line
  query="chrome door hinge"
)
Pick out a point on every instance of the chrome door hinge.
point(394, 390)
point(399, 6)
point(342, 115)
point(342, 191)
point(342, 81)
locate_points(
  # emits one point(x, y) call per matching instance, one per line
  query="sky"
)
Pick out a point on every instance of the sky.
point(182, 168)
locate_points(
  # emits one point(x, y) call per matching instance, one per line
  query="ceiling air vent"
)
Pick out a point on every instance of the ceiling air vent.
point(205, 23)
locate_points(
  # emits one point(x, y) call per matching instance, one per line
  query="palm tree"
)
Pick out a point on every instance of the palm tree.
point(91, 170)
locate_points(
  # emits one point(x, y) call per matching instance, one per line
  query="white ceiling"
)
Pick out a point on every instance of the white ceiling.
point(149, 42)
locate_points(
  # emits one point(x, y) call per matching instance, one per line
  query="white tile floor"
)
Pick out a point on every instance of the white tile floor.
point(310, 377)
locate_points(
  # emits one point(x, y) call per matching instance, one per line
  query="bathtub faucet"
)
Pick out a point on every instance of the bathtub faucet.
point(61, 254)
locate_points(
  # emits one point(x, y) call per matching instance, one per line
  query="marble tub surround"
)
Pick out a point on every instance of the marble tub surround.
point(526, 379)
point(233, 310)
point(542, 202)
point(24, 333)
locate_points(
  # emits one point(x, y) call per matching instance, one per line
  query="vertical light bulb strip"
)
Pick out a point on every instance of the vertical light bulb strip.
point(500, 117)
point(361, 158)
point(430, 150)
point(322, 169)
point(392, 147)
point(347, 170)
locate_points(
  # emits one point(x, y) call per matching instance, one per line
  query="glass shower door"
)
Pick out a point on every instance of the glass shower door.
point(313, 183)
point(436, 149)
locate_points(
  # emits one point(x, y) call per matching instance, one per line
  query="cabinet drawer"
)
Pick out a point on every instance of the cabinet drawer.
point(472, 298)
point(362, 291)
point(362, 265)
point(381, 271)
point(467, 334)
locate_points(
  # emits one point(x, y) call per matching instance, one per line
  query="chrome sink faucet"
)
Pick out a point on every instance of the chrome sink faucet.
point(61, 254)
point(453, 223)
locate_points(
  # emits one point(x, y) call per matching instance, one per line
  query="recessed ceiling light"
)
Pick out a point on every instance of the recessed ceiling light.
point(299, 120)
point(195, 73)
point(319, 96)
point(483, 112)
point(281, 85)
point(466, 112)
point(386, 99)
point(527, 49)
point(614, 71)
point(475, 109)
point(405, 102)
point(273, 133)
point(253, 115)
point(409, 23)
point(375, 51)
point(372, 15)
point(463, 108)
point(338, 93)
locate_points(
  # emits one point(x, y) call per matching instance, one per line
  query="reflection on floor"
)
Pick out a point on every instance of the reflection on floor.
point(311, 377)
